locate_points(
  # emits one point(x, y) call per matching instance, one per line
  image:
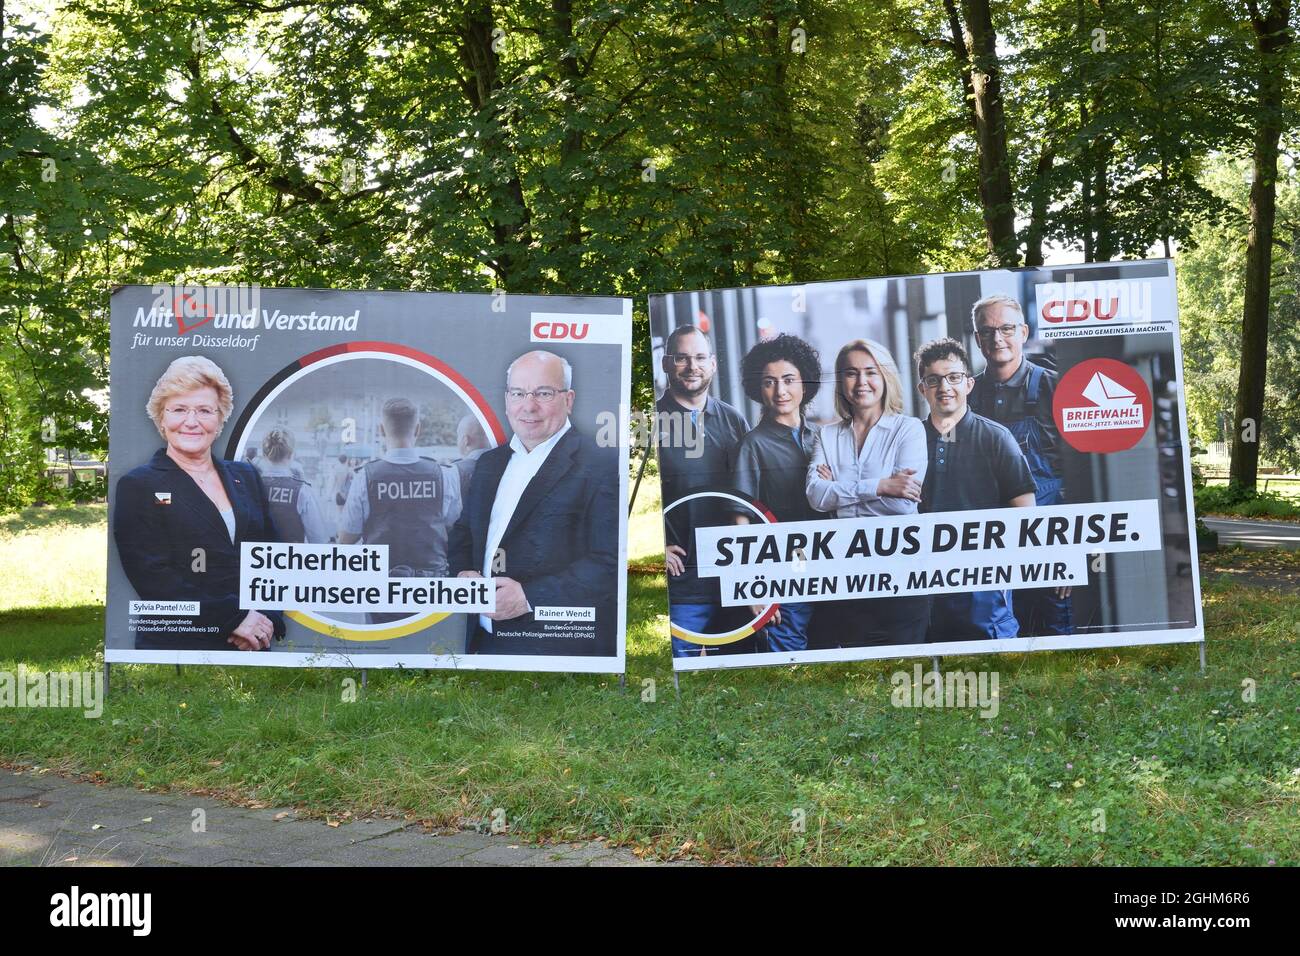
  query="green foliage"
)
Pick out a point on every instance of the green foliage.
point(1210, 289)
point(1246, 502)
point(588, 147)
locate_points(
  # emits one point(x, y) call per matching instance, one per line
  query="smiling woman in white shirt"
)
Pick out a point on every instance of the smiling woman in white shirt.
point(871, 462)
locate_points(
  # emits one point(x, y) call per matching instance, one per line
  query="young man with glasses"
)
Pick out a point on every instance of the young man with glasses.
point(975, 464)
point(697, 436)
point(1017, 393)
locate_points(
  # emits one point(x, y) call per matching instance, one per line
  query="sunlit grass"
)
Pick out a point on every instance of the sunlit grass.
point(1182, 768)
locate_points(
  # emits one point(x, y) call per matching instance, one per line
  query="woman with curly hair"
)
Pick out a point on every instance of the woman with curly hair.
point(782, 375)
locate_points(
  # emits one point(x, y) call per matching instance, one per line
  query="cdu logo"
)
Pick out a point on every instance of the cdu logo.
point(579, 329)
point(559, 331)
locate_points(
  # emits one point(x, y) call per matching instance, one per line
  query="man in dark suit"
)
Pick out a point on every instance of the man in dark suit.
point(541, 519)
point(160, 517)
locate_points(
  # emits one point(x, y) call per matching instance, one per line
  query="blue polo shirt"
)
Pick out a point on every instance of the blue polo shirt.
point(772, 466)
point(978, 466)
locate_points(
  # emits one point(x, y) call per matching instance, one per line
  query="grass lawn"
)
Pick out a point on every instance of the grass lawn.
point(1185, 770)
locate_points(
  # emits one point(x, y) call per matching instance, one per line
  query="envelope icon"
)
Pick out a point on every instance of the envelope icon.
point(1105, 392)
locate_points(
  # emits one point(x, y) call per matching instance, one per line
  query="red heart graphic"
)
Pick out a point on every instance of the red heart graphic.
point(178, 306)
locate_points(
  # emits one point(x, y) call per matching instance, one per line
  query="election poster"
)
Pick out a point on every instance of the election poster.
point(925, 465)
point(305, 477)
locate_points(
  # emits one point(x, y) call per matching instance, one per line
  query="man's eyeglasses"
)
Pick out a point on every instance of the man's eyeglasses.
point(181, 412)
point(544, 395)
point(952, 378)
point(681, 359)
point(989, 334)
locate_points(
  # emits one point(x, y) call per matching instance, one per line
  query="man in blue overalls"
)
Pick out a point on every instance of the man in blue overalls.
point(1015, 392)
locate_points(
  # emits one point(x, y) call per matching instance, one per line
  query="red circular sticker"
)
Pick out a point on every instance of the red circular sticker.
point(1102, 406)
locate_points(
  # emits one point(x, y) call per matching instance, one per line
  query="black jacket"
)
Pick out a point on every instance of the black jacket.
point(561, 545)
point(159, 516)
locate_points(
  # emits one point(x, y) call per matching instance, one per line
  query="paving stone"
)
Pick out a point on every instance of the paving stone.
point(52, 819)
point(314, 863)
point(78, 851)
point(504, 855)
point(20, 794)
point(365, 854)
point(469, 839)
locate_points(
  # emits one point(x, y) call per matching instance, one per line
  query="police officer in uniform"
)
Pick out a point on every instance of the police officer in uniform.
point(471, 442)
point(403, 500)
point(289, 498)
point(1015, 392)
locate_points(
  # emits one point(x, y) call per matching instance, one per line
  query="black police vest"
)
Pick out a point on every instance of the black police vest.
point(282, 499)
point(405, 513)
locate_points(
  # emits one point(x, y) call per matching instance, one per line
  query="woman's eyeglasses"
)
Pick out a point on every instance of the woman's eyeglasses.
point(203, 413)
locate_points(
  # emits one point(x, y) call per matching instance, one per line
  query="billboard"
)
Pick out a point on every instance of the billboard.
point(304, 477)
point(925, 465)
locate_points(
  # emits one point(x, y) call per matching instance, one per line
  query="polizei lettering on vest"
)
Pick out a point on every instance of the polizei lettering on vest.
point(392, 490)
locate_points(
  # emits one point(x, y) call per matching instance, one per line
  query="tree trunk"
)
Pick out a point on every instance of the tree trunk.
point(975, 46)
point(792, 173)
point(512, 232)
point(1106, 246)
point(1038, 207)
point(569, 260)
point(1272, 37)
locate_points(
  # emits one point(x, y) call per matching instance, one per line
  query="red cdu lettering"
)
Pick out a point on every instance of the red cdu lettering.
point(553, 331)
point(1098, 314)
point(1076, 310)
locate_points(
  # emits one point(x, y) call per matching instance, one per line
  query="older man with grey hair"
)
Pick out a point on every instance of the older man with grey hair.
point(1017, 393)
point(541, 520)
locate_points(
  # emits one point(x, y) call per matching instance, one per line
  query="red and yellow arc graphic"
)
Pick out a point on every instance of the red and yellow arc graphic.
point(344, 352)
point(757, 623)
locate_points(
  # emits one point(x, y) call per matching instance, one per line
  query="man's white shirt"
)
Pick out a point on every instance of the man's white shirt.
point(520, 470)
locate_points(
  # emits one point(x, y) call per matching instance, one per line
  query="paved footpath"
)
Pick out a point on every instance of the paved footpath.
point(48, 820)
point(1255, 534)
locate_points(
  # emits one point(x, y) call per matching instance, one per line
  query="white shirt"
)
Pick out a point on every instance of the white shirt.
point(228, 516)
point(894, 442)
point(520, 470)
